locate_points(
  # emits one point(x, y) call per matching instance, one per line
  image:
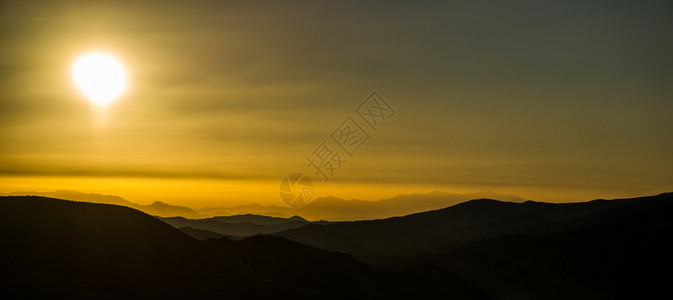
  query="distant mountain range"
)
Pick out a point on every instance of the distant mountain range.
point(157, 208)
point(202, 234)
point(326, 208)
point(238, 225)
point(337, 209)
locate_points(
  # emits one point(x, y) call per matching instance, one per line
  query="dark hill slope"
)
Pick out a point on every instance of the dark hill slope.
point(628, 257)
point(333, 273)
point(62, 249)
point(383, 242)
point(242, 225)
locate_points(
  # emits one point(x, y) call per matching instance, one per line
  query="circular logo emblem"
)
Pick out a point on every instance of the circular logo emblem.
point(296, 190)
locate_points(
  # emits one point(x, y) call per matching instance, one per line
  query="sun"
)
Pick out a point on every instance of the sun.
point(99, 76)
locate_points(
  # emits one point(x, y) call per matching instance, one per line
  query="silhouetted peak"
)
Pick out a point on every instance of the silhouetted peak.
point(297, 218)
point(159, 203)
point(482, 202)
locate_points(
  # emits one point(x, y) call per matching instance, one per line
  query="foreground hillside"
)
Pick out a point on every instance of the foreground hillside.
point(480, 249)
point(602, 249)
point(628, 257)
point(386, 242)
point(62, 249)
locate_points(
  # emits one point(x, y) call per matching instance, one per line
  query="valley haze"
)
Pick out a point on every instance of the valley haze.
point(324, 208)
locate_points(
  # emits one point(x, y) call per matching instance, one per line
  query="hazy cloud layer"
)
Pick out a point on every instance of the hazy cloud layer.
point(563, 94)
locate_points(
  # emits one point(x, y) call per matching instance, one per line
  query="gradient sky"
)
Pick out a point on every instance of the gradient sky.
point(549, 100)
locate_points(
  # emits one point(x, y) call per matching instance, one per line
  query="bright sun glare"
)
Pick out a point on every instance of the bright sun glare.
point(99, 76)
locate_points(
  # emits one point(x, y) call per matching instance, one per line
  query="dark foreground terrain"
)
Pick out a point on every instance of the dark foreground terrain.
point(480, 249)
point(65, 249)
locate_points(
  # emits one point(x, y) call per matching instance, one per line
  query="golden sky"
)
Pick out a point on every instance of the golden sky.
point(552, 101)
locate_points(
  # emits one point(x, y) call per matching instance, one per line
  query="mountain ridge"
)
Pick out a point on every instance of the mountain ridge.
point(323, 208)
point(615, 258)
point(442, 230)
point(60, 248)
point(239, 225)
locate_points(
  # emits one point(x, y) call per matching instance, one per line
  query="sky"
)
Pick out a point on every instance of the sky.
point(549, 100)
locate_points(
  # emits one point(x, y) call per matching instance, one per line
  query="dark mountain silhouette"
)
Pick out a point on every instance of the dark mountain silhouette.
point(601, 249)
point(282, 259)
point(385, 242)
point(240, 225)
point(337, 209)
point(78, 196)
point(64, 249)
point(201, 234)
point(59, 247)
point(325, 208)
point(257, 219)
point(300, 265)
point(250, 208)
point(620, 257)
point(157, 208)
